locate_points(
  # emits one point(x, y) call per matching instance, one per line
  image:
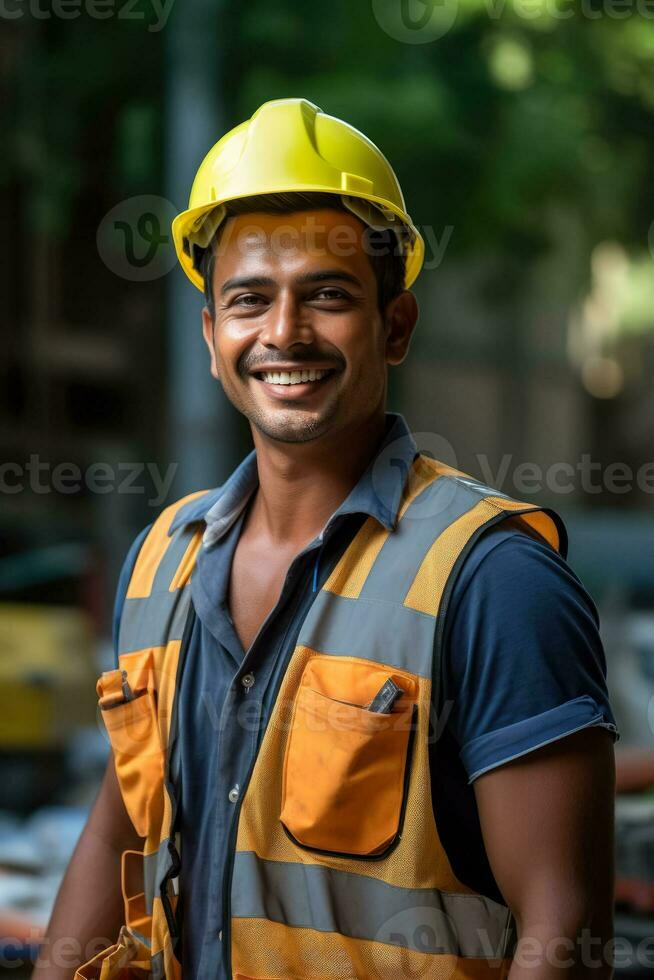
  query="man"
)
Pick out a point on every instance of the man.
point(359, 723)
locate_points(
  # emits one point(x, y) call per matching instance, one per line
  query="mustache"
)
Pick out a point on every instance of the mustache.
point(252, 362)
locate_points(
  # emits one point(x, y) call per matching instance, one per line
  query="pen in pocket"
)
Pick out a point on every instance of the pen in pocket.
point(385, 698)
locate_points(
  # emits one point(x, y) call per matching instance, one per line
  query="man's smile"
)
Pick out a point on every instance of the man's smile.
point(294, 383)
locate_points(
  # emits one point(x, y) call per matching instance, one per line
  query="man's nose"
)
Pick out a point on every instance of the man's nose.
point(286, 323)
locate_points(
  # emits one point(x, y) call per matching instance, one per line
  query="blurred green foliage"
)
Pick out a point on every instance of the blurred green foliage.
point(492, 127)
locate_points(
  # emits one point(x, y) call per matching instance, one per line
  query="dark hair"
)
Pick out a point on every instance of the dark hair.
point(386, 257)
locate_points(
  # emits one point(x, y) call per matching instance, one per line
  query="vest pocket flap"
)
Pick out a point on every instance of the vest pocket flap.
point(345, 767)
point(354, 680)
point(134, 735)
point(131, 726)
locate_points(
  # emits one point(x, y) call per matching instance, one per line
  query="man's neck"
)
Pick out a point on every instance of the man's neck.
point(302, 484)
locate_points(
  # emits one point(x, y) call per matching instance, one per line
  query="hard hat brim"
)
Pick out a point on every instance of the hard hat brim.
point(186, 221)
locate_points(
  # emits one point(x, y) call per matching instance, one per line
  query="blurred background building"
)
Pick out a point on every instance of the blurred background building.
point(523, 136)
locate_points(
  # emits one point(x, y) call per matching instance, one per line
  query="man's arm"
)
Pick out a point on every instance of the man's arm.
point(547, 820)
point(89, 911)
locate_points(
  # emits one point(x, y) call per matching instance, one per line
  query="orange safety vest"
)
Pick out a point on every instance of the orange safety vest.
point(337, 868)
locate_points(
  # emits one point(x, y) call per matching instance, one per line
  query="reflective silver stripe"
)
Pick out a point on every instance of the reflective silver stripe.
point(171, 558)
point(158, 971)
point(154, 621)
point(155, 867)
point(383, 631)
point(150, 879)
point(313, 896)
point(139, 935)
point(399, 560)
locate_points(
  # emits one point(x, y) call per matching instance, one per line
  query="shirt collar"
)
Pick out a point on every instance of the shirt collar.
point(378, 492)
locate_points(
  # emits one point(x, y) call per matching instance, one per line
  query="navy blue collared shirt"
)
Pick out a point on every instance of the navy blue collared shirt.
point(522, 665)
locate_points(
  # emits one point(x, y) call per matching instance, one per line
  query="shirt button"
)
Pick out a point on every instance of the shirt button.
point(247, 680)
point(220, 935)
point(233, 793)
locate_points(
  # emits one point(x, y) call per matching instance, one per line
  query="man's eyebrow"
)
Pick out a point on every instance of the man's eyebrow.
point(254, 282)
point(325, 274)
point(245, 282)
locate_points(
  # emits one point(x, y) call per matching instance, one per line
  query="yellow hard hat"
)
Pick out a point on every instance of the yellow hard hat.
point(290, 145)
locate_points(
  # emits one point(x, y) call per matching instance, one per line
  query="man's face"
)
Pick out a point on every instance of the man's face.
point(298, 341)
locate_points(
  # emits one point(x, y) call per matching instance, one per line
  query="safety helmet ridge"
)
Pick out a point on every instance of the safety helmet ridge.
point(290, 145)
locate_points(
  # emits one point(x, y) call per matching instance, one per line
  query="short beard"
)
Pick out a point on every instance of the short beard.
point(288, 427)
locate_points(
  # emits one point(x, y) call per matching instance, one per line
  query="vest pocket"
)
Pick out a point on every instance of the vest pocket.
point(138, 905)
point(117, 962)
point(346, 768)
point(134, 736)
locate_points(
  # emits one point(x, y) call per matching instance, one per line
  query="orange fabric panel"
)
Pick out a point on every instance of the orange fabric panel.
point(118, 962)
point(352, 568)
point(339, 757)
point(185, 568)
point(261, 950)
point(142, 667)
point(545, 526)
point(417, 861)
point(161, 939)
point(138, 757)
point(427, 588)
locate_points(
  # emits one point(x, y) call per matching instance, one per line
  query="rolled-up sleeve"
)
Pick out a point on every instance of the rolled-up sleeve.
point(523, 658)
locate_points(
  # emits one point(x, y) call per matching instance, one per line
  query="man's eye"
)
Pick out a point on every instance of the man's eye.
point(248, 299)
point(329, 292)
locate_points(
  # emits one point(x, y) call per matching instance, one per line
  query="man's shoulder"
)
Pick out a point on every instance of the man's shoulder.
point(512, 552)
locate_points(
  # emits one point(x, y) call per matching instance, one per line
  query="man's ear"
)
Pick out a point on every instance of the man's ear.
point(207, 333)
point(401, 317)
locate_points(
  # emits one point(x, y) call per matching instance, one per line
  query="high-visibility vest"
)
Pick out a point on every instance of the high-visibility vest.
point(337, 870)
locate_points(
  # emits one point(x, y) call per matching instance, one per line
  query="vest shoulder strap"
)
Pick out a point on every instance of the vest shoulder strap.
point(545, 522)
point(161, 557)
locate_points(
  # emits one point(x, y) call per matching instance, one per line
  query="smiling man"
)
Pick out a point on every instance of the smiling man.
point(359, 721)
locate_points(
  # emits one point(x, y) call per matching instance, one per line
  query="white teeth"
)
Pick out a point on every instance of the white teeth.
point(292, 377)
